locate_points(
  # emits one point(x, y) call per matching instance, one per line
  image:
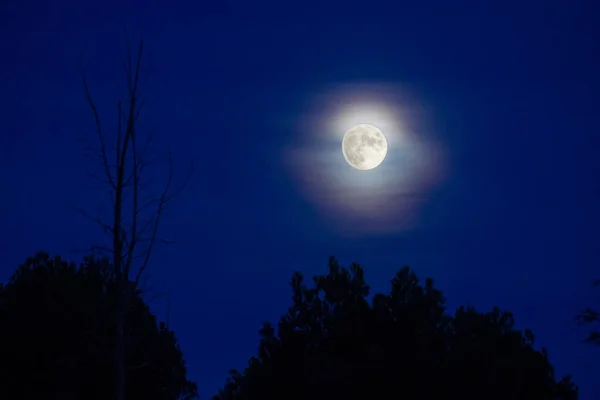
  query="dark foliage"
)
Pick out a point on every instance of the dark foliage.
point(334, 344)
point(591, 317)
point(57, 337)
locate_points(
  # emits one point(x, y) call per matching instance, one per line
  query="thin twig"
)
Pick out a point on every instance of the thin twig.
point(98, 130)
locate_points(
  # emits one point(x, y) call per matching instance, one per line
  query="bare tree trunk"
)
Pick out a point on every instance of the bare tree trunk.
point(120, 352)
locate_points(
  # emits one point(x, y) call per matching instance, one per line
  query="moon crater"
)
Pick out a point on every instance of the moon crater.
point(364, 147)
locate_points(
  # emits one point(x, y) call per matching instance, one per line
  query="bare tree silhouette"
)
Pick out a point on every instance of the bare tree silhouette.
point(136, 215)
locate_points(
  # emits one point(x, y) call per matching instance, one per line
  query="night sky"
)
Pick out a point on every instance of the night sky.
point(491, 184)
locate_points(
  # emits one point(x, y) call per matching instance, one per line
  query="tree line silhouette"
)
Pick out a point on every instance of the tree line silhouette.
point(334, 342)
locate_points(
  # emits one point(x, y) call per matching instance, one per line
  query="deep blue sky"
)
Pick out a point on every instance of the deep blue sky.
point(509, 93)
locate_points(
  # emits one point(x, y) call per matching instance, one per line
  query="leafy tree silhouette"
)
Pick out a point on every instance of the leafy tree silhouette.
point(591, 317)
point(333, 344)
point(57, 337)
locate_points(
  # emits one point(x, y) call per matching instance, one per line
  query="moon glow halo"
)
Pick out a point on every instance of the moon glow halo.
point(364, 147)
point(381, 194)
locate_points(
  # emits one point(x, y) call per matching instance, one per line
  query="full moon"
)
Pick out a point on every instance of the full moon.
point(364, 147)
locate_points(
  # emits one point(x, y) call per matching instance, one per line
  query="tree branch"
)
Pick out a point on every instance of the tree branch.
point(164, 199)
point(98, 130)
point(107, 228)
